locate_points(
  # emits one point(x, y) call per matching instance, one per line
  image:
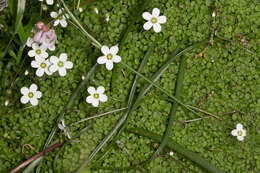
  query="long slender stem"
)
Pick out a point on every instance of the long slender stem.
point(97, 116)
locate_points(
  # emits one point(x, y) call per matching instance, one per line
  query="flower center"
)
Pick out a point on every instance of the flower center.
point(154, 20)
point(43, 65)
point(31, 34)
point(38, 51)
point(60, 17)
point(96, 95)
point(30, 95)
point(239, 133)
point(60, 64)
point(109, 56)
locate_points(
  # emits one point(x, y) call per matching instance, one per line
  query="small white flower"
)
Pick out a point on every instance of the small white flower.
point(60, 18)
point(63, 127)
point(154, 20)
point(6, 102)
point(38, 51)
point(239, 132)
point(96, 10)
point(96, 95)
point(26, 72)
point(171, 153)
point(42, 66)
point(30, 94)
point(110, 56)
point(49, 2)
point(30, 39)
point(83, 77)
point(60, 64)
point(80, 9)
point(107, 17)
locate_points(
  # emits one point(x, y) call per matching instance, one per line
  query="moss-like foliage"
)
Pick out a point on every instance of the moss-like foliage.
point(222, 77)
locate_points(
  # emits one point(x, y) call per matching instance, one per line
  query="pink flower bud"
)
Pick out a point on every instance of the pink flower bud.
point(45, 28)
point(39, 25)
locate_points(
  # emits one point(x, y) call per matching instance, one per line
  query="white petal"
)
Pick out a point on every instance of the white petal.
point(56, 22)
point(49, 2)
point(148, 25)
point(29, 42)
point(24, 90)
point(54, 14)
point(91, 90)
point(35, 64)
point(234, 132)
point(33, 88)
point(35, 46)
point(103, 98)
point(63, 57)
point(105, 50)
point(51, 47)
point(116, 58)
point(63, 23)
point(34, 101)
point(102, 60)
point(24, 99)
point(62, 71)
point(114, 50)
point(100, 90)
point(157, 27)
point(244, 132)
point(53, 68)
point(63, 123)
point(109, 65)
point(161, 19)
point(38, 94)
point(240, 138)
point(95, 102)
point(40, 72)
point(68, 65)
point(89, 99)
point(156, 12)
point(54, 59)
point(44, 54)
point(60, 126)
point(239, 126)
point(31, 53)
point(147, 16)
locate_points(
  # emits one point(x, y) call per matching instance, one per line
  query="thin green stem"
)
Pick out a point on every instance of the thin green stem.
point(97, 116)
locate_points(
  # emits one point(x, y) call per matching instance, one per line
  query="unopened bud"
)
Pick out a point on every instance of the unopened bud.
point(39, 25)
point(45, 28)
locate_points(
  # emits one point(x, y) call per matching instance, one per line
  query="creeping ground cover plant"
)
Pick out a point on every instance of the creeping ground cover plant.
point(129, 86)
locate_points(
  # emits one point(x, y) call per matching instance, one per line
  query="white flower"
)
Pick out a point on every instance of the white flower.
point(38, 51)
point(26, 72)
point(49, 2)
point(154, 20)
point(96, 10)
point(42, 66)
point(96, 95)
point(63, 127)
point(6, 102)
point(60, 64)
point(107, 17)
point(239, 132)
point(80, 9)
point(30, 94)
point(60, 18)
point(171, 153)
point(30, 39)
point(110, 56)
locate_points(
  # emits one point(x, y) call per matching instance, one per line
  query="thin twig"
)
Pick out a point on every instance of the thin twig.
point(47, 150)
point(196, 119)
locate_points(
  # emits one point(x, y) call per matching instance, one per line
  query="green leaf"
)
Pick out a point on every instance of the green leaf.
point(205, 164)
point(31, 167)
point(178, 88)
point(19, 14)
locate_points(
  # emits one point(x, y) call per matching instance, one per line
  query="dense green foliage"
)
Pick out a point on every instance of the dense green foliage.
point(228, 71)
